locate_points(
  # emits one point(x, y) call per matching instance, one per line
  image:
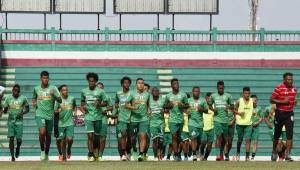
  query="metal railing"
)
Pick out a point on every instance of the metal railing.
point(168, 35)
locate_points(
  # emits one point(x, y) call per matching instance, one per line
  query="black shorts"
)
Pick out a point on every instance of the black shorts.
point(286, 119)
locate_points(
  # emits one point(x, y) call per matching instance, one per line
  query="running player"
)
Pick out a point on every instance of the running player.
point(176, 101)
point(156, 122)
point(219, 103)
point(231, 128)
point(257, 118)
point(208, 131)
point(16, 105)
point(197, 106)
point(244, 111)
point(139, 116)
point(122, 97)
point(104, 127)
point(284, 96)
point(44, 96)
point(92, 99)
point(167, 136)
point(65, 110)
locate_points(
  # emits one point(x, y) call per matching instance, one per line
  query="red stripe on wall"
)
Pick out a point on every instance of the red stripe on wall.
point(151, 63)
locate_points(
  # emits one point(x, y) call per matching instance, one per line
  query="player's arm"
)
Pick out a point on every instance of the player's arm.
point(34, 99)
point(184, 103)
point(203, 107)
point(210, 105)
point(230, 104)
point(74, 106)
point(260, 118)
point(102, 100)
point(56, 95)
point(168, 104)
point(274, 98)
point(232, 121)
point(82, 104)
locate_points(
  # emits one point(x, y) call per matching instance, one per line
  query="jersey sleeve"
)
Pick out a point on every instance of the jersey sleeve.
point(56, 92)
point(276, 92)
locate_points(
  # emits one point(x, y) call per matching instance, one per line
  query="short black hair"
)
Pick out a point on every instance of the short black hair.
point(174, 79)
point(196, 87)
point(153, 88)
point(92, 75)
point(100, 83)
point(44, 73)
point(246, 88)
point(220, 83)
point(125, 78)
point(287, 74)
point(208, 94)
point(16, 86)
point(147, 85)
point(139, 79)
point(253, 96)
point(62, 86)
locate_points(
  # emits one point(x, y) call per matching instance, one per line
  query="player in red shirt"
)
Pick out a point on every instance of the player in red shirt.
point(284, 96)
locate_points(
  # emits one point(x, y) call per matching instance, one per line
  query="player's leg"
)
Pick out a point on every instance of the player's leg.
point(142, 133)
point(204, 140)
point(90, 129)
point(42, 134)
point(247, 135)
point(240, 133)
point(19, 135)
point(174, 128)
point(154, 137)
point(278, 124)
point(218, 133)
point(103, 134)
point(49, 128)
point(11, 137)
point(228, 146)
point(186, 144)
point(254, 140)
point(122, 130)
point(210, 140)
point(69, 140)
point(289, 126)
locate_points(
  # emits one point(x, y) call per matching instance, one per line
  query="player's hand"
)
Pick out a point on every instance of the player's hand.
point(104, 113)
point(286, 100)
point(34, 104)
point(200, 109)
point(241, 113)
point(97, 104)
point(19, 115)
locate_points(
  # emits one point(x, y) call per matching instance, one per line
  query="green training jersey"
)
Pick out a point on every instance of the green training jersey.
point(66, 114)
point(45, 100)
point(91, 99)
point(221, 103)
point(140, 101)
point(123, 113)
point(15, 106)
point(257, 114)
point(176, 113)
point(156, 108)
point(196, 117)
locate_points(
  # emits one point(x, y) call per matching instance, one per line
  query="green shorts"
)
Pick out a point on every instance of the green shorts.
point(231, 131)
point(44, 123)
point(175, 127)
point(93, 126)
point(185, 136)
point(168, 138)
point(15, 130)
point(244, 131)
point(66, 132)
point(104, 128)
point(195, 133)
point(122, 127)
point(156, 132)
point(221, 129)
point(208, 136)
point(255, 133)
point(136, 128)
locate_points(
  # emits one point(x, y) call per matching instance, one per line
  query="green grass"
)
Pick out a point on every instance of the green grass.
point(111, 165)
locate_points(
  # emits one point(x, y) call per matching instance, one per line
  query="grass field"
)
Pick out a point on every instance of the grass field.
point(111, 165)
